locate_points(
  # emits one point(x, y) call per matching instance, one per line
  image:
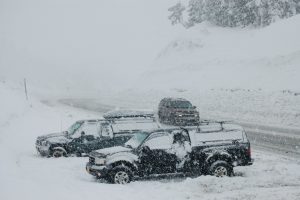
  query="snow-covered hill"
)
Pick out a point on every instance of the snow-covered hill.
point(207, 56)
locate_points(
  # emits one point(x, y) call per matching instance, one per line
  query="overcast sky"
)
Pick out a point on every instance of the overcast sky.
point(81, 43)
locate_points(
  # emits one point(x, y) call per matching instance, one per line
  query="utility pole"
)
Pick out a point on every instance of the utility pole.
point(25, 86)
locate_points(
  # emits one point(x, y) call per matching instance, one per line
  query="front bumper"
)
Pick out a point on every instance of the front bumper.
point(42, 150)
point(250, 162)
point(96, 170)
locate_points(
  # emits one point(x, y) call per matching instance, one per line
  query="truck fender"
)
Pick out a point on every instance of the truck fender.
point(131, 165)
point(218, 155)
point(60, 148)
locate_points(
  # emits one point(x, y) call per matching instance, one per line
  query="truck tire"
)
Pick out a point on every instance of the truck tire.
point(121, 175)
point(220, 169)
point(58, 153)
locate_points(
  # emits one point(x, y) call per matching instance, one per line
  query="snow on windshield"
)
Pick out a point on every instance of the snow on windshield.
point(74, 127)
point(181, 104)
point(136, 140)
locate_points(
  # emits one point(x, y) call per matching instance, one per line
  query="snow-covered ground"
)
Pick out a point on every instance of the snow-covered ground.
point(91, 53)
point(26, 175)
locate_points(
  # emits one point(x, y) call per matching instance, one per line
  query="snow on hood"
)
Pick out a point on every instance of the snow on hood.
point(58, 140)
point(55, 138)
point(43, 137)
point(112, 150)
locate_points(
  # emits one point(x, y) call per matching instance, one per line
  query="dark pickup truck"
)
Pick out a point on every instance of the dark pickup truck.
point(208, 149)
point(85, 136)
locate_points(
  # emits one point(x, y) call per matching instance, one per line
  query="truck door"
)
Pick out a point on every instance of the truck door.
point(156, 158)
point(85, 137)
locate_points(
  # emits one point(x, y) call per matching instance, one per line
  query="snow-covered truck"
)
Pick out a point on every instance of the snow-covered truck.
point(207, 149)
point(85, 136)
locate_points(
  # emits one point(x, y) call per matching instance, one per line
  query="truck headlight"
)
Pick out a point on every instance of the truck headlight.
point(100, 161)
point(45, 143)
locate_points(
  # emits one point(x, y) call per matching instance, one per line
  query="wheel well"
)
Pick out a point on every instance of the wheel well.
point(124, 163)
point(213, 157)
point(222, 157)
point(59, 148)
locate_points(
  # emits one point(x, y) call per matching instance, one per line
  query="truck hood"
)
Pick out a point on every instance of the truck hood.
point(55, 138)
point(185, 111)
point(115, 154)
point(113, 150)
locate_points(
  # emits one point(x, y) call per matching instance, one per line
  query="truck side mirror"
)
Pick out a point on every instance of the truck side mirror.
point(82, 133)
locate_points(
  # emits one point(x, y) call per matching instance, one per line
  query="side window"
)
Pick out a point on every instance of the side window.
point(91, 128)
point(106, 131)
point(184, 135)
point(159, 141)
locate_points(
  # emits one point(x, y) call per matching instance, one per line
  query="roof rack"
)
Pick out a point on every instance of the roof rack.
point(127, 114)
point(207, 122)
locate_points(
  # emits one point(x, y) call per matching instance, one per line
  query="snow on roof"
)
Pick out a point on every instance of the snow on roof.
point(117, 114)
point(174, 99)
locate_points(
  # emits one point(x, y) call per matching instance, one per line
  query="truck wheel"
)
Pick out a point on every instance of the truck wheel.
point(58, 153)
point(220, 169)
point(121, 175)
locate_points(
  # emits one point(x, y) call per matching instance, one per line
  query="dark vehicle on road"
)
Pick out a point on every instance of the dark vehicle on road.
point(192, 152)
point(177, 111)
point(85, 136)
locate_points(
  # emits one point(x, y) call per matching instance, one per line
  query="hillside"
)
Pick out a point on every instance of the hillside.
point(207, 56)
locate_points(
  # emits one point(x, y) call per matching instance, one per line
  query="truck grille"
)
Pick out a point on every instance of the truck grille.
point(188, 115)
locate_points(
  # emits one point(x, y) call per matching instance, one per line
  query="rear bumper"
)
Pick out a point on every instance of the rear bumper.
point(95, 170)
point(250, 162)
point(244, 163)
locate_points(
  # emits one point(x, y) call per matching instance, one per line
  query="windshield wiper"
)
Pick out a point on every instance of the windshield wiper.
point(129, 146)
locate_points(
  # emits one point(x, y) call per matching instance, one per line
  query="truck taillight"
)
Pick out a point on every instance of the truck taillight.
point(249, 152)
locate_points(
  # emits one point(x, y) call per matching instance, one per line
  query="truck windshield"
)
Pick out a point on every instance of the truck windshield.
point(136, 140)
point(181, 104)
point(74, 128)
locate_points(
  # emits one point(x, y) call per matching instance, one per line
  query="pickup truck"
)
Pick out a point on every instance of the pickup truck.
point(85, 136)
point(208, 149)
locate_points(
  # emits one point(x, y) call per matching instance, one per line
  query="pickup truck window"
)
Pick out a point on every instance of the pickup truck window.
point(89, 128)
point(159, 141)
point(106, 131)
point(74, 127)
point(181, 104)
point(136, 140)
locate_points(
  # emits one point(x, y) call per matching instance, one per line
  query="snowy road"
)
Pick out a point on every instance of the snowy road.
point(275, 139)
